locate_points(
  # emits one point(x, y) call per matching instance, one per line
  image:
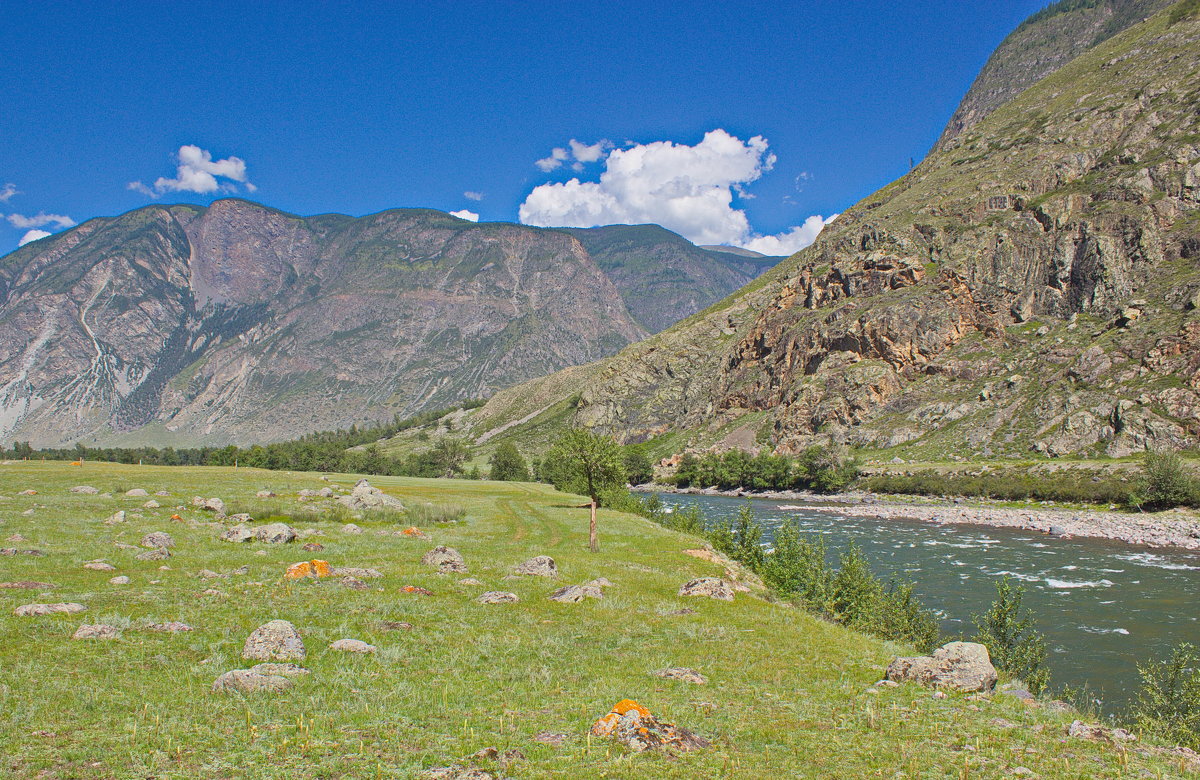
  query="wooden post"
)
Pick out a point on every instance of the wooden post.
point(593, 542)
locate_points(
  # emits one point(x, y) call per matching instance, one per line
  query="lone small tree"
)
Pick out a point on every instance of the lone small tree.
point(449, 455)
point(1013, 642)
point(591, 465)
point(508, 465)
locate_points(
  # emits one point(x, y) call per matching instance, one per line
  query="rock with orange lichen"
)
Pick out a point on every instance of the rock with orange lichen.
point(415, 532)
point(634, 726)
point(416, 589)
point(304, 569)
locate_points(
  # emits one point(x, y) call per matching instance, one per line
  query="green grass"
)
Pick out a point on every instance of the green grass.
point(787, 693)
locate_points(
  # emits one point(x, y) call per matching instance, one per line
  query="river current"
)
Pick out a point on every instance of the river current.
point(1103, 606)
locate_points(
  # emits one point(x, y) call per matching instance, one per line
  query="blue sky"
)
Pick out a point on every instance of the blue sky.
point(320, 108)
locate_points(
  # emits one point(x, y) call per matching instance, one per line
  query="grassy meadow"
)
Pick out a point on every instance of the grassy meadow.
point(787, 695)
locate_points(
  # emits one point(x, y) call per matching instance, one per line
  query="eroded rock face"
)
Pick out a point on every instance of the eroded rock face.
point(277, 640)
point(960, 666)
point(635, 727)
point(538, 566)
point(711, 587)
point(247, 681)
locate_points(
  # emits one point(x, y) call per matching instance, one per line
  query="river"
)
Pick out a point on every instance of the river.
point(1103, 606)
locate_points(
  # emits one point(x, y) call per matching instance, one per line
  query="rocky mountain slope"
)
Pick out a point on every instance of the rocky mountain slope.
point(662, 276)
point(241, 323)
point(1041, 45)
point(1032, 286)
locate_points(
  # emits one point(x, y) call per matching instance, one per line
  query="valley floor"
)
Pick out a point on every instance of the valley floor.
point(787, 695)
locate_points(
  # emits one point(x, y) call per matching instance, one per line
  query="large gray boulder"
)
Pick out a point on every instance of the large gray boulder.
point(441, 556)
point(364, 497)
point(157, 539)
point(238, 533)
point(959, 666)
point(538, 566)
point(275, 533)
point(573, 594)
point(277, 640)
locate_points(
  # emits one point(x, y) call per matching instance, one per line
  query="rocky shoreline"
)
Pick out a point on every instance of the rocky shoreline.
point(1167, 529)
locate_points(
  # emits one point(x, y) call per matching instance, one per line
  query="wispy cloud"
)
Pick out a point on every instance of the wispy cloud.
point(41, 219)
point(7, 191)
point(472, 195)
point(198, 172)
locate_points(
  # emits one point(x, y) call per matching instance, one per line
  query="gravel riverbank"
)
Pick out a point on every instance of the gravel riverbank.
point(1164, 529)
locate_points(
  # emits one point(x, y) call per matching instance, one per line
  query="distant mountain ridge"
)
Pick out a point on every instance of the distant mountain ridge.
point(240, 323)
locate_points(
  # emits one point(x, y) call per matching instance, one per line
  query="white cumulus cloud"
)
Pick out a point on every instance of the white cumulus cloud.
point(41, 219)
point(198, 172)
point(578, 151)
point(472, 195)
point(687, 189)
point(469, 216)
point(7, 191)
point(32, 235)
point(558, 155)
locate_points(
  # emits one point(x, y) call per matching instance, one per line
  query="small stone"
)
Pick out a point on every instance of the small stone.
point(172, 627)
point(208, 574)
point(682, 673)
point(352, 646)
point(711, 587)
point(119, 580)
point(280, 670)
point(157, 539)
point(441, 555)
point(394, 625)
point(538, 566)
point(351, 528)
point(355, 571)
point(416, 590)
point(123, 546)
point(551, 738)
point(275, 533)
point(238, 533)
point(277, 640)
point(469, 581)
point(29, 610)
point(86, 490)
point(26, 585)
point(136, 493)
point(265, 494)
point(16, 539)
point(151, 504)
point(313, 547)
point(573, 594)
point(1095, 732)
point(246, 681)
point(99, 566)
point(97, 631)
point(162, 493)
point(115, 518)
point(315, 569)
point(354, 583)
point(157, 554)
point(498, 597)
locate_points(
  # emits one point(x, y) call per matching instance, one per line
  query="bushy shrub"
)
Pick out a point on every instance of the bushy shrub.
point(822, 469)
point(799, 567)
point(1165, 483)
point(1168, 702)
point(1015, 646)
point(508, 464)
point(1085, 486)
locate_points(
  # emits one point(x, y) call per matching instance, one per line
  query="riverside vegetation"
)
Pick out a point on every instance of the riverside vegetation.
point(786, 692)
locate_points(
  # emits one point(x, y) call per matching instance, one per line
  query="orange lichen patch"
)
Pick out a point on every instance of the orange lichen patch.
point(414, 531)
point(304, 569)
point(76, 463)
point(417, 590)
point(176, 517)
point(605, 725)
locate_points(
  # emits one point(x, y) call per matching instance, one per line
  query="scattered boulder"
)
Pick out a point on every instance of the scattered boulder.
point(394, 625)
point(157, 539)
point(573, 594)
point(1095, 732)
point(416, 590)
point(498, 597)
point(162, 492)
point(238, 533)
point(14, 551)
point(30, 610)
point(213, 505)
point(281, 670)
point(351, 528)
point(265, 494)
point(157, 554)
point(86, 490)
point(313, 547)
point(960, 666)
point(455, 773)
point(151, 504)
point(682, 673)
point(469, 581)
point(209, 574)
point(246, 681)
point(711, 587)
point(352, 646)
point(115, 518)
point(415, 532)
point(354, 583)
point(119, 580)
point(124, 546)
point(441, 555)
point(277, 640)
point(16, 539)
point(307, 493)
point(355, 571)
point(99, 566)
point(96, 631)
point(275, 533)
point(136, 493)
point(551, 738)
point(635, 727)
point(26, 585)
point(314, 569)
point(538, 566)
point(172, 627)
point(365, 497)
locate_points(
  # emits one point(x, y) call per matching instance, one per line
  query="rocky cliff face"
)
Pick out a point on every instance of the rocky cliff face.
point(1031, 287)
point(241, 323)
point(1041, 45)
